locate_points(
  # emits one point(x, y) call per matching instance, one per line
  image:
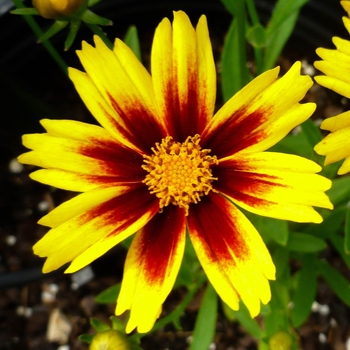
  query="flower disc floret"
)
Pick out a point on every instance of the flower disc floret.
point(179, 173)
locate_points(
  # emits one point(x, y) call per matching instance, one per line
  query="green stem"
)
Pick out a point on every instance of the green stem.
point(258, 52)
point(47, 44)
point(98, 31)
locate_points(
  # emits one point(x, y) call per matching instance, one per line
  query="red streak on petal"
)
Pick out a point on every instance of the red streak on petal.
point(213, 222)
point(144, 130)
point(236, 133)
point(123, 210)
point(186, 116)
point(160, 239)
point(245, 186)
point(115, 124)
point(120, 162)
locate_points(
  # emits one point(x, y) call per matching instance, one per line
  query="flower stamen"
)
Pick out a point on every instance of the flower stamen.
point(179, 173)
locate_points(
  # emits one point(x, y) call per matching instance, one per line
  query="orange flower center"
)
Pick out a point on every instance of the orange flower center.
point(179, 173)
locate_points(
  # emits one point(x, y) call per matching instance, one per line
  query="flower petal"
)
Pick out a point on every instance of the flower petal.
point(232, 253)
point(335, 65)
point(276, 185)
point(151, 267)
point(183, 74)
point(336, 146)
point(260, 115)
point(97, 157)
point(129, 105)
point(107, 214)
point(72, 181)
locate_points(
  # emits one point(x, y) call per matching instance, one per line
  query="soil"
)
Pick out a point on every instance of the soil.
point(32, 304)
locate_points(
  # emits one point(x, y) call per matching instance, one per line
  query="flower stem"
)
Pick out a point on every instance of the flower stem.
point(47, 44)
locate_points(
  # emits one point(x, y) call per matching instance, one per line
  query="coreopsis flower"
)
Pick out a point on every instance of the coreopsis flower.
point(162, 165)
point(335, 65)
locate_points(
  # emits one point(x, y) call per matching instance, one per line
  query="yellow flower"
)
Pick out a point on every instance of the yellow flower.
point(110, 340)
point(55, 9)
point(162, 164)
point(336, 65)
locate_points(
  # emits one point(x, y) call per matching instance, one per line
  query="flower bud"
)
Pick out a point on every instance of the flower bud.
point(281, 341)
point(57, 9)
point(111, 340)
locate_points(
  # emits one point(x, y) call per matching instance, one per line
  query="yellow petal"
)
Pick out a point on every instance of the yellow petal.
point(206, 69)
point(151, 267)
point(276, 185)
point(117, 105)
point(183, 73)
point(345, 167)
point(260, 115)
point(231, 252)
point(337, 85)
point(93, 156)
point(338, 122)
point(335, 146)
point(88, 219)
point(346, 6)
point(71, 181)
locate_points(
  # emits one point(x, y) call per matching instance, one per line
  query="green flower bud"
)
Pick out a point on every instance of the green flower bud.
point(110, 340)
point(59, 9)
point(281, 341)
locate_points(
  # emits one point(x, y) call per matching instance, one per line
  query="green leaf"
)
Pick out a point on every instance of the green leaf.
point(93, 2)
point(91, 18)
point(98, 325)
point(256, 36)
point(282, 23)
point(243, 317)
point(282, 11)
point(280, 257)
point(339, 284)
point(74, 27)
point(332, 224)
point(294, 144)
point(313, 136)
point(271, 229)
point(305, 291)
point(303, 242)
point(204, 329)
point(25, 11)
point(132, 40)
point(231, 6)
point(312, 132)
point(340, 191)
point(117, 324)
point(234, 71)
point(338, 243)
point(347, 230)
point(109, 295)
point(87, 338)
point(54, 29)
point(277, 318)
